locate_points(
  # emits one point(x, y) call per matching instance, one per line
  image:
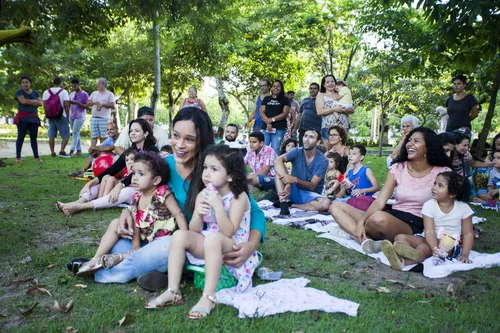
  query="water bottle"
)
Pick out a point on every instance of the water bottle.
point(265, 273)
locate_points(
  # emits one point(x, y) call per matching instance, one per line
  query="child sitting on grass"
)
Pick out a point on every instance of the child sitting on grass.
point(445, 215)
point(360, 179)
point(333, 175)
point(155, 210)
point(493, 182)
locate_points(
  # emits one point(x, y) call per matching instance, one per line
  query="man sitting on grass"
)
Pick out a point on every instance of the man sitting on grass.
point(107, 146)
point(302, 189)
point(261, 159)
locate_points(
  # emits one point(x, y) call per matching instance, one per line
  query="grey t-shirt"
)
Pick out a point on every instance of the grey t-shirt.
point(306, 172)
point(310, 118)
point(459, 112)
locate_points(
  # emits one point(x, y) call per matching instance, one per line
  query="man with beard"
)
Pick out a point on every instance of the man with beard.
point(302, 189)
point(265, 88)
point(231, 133)
point(307, 117)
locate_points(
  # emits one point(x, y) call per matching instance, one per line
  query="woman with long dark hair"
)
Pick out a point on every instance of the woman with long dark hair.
point(412, 174)
point(273, 111)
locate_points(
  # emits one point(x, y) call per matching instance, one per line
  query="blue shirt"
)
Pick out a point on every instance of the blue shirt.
point(28, 108)
point(180, 187)
point(360, 180)
point(301, 170)
point(258, 119)
point(310, 118)
point(108, 142)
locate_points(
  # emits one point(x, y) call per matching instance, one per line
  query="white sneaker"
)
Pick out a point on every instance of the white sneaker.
point(371, 246)
point(337, 231)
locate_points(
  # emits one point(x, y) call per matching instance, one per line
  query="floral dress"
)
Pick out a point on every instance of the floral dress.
point(156, 220)
point(329, 119)
point(245, 272)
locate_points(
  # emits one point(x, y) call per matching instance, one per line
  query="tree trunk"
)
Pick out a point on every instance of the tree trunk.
point(483, 136)
point(224, 105)
point(157, 72)
point(128, 118)
point(171, 106)
point(354, 49)
point(382, 119)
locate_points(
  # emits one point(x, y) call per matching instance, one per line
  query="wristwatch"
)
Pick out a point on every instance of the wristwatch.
point(122, 184)
point(273, 119)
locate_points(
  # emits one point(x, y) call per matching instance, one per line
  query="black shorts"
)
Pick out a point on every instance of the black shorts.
point(414, 222)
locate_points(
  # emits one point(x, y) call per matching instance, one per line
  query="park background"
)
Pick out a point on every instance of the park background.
point(398, 57)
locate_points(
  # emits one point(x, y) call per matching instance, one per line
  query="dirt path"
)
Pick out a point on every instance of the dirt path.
point(8, 148)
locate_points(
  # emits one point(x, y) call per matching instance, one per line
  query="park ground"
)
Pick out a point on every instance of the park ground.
point(36, 242)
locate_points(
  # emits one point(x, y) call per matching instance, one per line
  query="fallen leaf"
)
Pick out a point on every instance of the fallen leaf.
point(82, 286)
point(315, 315)
point(26, 260)
point(34, 290)
point(394, 281)
point(63, 308)
point(365, 270)
point(51, 266)
point(411, 286)
point(345, 274)
point(71, 329)
point(424, 302)
point(383, 290)
point(450, 289)
point(30, 309)
point(429, 294)
point(127, 317)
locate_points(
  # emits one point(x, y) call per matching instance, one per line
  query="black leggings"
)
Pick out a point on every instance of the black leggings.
point(22, 128)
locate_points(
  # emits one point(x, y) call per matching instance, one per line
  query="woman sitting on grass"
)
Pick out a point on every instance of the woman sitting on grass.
point(412, 174)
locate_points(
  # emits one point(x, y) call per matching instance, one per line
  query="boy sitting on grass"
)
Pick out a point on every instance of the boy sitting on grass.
point(260, 159)
point(360, 179)
point(493, 182)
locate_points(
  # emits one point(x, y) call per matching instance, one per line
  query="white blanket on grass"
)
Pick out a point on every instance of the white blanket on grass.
point(322, 224)
point(283, 296)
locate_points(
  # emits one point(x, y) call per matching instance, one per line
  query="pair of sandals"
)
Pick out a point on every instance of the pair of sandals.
point(197, 312)
point(107, 261)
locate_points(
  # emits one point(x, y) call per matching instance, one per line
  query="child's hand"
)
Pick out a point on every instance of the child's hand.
point(211, 198)
point(336, 114)
point(436, 251)
point(464, 259)
point(357, 193)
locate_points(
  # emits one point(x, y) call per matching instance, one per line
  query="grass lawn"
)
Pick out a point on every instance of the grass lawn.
point(32, 227)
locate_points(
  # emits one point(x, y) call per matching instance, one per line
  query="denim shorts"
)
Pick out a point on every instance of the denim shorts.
point(59, 124)
point(299, 196)
point(266, 182)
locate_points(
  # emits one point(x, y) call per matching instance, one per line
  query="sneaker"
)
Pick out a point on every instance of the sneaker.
point(38, 159)
point(153, 281)
point(53, 154)
point(19, 160)
point(284, 208)
point(371, 246)
point(337, 231)
point(391, 255)
point(406, 251)
point(78, 153)
point(63, 154)
point(71, 152)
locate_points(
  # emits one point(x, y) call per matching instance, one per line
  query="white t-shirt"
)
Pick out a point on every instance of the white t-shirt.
point(494, 179)
point(451, 222)
point(158, 132)
point(103, 98)
point(63, 96)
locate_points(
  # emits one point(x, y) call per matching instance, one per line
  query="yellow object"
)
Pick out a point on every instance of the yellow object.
point(446, 243)
point(250, 123)
point(21, 35)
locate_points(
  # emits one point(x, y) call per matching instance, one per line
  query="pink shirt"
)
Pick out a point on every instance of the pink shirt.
point(266, 156)
point(103, 98)
point(412, 193)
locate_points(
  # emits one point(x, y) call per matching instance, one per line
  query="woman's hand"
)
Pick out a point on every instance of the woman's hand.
point(241, 252)
point(464, 259)
point(360, 232)
point(114, 193)
point(125, 225)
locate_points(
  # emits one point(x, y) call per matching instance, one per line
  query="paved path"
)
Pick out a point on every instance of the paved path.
point(8, 148)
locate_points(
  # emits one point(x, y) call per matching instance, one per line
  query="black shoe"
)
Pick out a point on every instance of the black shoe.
point(71, 152)
point(277, 204)
point(153, 281)
point(74, 264)
point(271, 196)
point(53, 154)
point(284, 208)
point(63, 154)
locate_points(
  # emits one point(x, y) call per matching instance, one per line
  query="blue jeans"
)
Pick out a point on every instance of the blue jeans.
point(76, 126)
point(32, 129)
point(274, 139)
point(150, 257)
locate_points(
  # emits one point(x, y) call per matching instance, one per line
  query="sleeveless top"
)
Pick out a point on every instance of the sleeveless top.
point(195, 104)
point(360, 180)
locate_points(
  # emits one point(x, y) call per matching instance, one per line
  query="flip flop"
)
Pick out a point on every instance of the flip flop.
point(201, 310)
point(87, 270)
point(153, 304)
point(391, 255)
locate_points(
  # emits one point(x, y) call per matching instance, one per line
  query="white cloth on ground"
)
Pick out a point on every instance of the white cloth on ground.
point(283, 296)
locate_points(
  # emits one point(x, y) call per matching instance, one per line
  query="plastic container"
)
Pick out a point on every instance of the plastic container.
point(265, 273)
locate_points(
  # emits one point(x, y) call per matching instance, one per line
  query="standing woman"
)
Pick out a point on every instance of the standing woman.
point(327, 107)
point(193, 100)
point(26, 119)
point(462, 107)
point(273, 111)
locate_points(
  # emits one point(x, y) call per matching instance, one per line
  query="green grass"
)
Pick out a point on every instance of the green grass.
point(32, 227)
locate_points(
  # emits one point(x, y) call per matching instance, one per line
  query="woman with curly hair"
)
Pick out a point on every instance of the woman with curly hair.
point(337, 140)
point(412, 175)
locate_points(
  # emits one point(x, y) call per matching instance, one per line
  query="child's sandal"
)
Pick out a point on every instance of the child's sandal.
point(153, 304)
point(108, 260)
point(202, 311)
point(87, 268)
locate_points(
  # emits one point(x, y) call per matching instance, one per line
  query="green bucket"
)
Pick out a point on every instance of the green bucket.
point(226, 279)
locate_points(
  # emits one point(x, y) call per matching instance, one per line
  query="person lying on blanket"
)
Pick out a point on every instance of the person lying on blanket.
point(447, 218)
point(302, 189)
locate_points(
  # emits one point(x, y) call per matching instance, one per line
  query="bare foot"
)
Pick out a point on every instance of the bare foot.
point(70, 209)
point(478, 200)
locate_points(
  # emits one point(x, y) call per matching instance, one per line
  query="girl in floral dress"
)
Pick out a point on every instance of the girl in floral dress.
point(223, 207)
point(157, 213)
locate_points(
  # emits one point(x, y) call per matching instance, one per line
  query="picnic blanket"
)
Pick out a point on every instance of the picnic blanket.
point(323, 223)
point(283, 296)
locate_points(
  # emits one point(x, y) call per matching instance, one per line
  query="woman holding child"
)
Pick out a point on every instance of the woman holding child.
point(191, 136)
point(329, 108)
point(412, 174)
